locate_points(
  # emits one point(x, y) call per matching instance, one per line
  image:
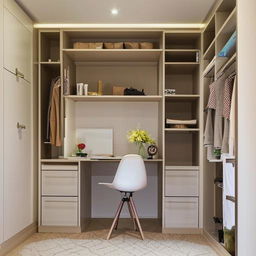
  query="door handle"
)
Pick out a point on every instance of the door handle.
point(21, 126)
point(19, 74)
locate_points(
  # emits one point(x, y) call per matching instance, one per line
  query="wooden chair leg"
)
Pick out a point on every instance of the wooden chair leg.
point(115, 219)
point(132, 215)
point(119, 215)
point(137, 218)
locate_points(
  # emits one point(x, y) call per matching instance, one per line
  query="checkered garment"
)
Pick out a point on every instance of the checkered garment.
point(227, 96)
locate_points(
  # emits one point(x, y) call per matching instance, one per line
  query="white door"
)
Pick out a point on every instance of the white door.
point(17, 46)
point(17, 155)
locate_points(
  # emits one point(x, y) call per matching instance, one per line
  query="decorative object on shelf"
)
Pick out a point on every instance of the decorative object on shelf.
point(80, 148)
point(173, 123)
point(229, 47)
point(146, 45)
point(85, 89)
point(84, 45)
point(170, 91)
point(66, 85)
point(131, 45)
point(152, 151)
point(92, 94)
point(117, 45)
point(79, 89)
point(100, 87)
point(132, 91)
point(118, 90)
point(217, 153)
point(140, 138)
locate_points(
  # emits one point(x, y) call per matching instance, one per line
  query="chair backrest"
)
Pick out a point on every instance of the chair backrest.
point(131, 174)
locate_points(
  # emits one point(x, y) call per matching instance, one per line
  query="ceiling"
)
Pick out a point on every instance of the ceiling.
point(132, 11)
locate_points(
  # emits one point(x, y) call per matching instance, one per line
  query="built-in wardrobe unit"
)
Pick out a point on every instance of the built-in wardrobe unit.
point(220, 174)
point(17, 201)
point(172, 196)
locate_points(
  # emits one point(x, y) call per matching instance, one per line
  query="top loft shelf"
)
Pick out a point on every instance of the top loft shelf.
point(107, 55)
point(113, 98)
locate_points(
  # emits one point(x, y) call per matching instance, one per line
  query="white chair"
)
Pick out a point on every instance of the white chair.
point(130, 177)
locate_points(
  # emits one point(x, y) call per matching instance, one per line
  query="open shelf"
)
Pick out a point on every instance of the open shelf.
point(70, 37)
point(228, 63)
point(175, 40)
point(92, 55)
point(180, 67)
point(182, 129)
point(115, 98)
point(49, 46)
point(170, 167)
point(209, 34)
point(182, 56)
point(182, 149)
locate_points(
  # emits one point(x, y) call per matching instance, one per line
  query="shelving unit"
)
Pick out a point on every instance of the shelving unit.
point(220, 27)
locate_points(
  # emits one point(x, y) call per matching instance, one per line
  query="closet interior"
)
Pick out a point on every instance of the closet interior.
point(175, 69)
point(219, 65)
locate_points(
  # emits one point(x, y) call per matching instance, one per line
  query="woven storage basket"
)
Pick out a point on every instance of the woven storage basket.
point(131, 45)
point(117, 90)
point(146, 45)
point(83, 45)
point(118, 45)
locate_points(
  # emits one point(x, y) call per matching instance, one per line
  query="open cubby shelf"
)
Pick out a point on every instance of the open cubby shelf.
point(49, 46)
point(182, 56)
point(70, 37)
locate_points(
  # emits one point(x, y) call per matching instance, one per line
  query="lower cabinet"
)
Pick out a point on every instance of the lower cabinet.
point(181, 212)
point(59, 211)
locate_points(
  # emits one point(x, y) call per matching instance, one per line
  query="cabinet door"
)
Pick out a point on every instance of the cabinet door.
point(181, 212)
point(181, 183)
point(17, 155)
point(59, 211)
point(17, 46)
point(59, 183)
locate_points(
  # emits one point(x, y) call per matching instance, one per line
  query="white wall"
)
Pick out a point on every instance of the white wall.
point(1, 123)
point(246, 127)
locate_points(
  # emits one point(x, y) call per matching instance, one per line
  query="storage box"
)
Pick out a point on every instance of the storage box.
point(131, 45)
point(118, 90)
point(85, 45)
point(118, 45)
point(146, 45)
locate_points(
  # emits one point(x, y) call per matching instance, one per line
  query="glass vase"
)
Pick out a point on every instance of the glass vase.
point(142, 150)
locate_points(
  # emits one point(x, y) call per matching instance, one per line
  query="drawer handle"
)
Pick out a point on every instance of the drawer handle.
point(21, 126)
point(19, 74)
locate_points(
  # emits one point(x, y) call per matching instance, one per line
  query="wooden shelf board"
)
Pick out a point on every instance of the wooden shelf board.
point(210, 50)
point(91, 55)
point(78, 159)
point(50, 63)
point(215, 161)
point(171, 167)
point(182, 50)
point(182, 97)
point(115, 98)
point(182, 129)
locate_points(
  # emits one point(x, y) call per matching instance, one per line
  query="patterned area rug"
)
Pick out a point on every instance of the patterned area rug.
point(122, 245)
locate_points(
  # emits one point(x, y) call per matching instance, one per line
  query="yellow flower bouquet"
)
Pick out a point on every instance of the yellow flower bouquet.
point(140, 138)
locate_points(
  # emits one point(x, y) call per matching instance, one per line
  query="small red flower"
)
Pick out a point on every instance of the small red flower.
point(81, 146)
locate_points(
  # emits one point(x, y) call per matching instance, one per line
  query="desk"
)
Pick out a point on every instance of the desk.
point(69, 194)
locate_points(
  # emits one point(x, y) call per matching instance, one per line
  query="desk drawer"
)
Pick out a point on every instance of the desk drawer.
point(181, 212)
point(59, 211)
point(59, 183)
point(181, 183)
point(53, 167)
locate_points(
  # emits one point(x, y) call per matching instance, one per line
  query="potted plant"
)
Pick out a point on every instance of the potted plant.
point(217, 153)
point(140, 138)
point(80, 149)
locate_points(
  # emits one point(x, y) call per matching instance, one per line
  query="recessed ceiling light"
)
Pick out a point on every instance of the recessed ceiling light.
point(114, 11)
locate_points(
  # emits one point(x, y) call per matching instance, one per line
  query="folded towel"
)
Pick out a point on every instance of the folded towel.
point(188, 122)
